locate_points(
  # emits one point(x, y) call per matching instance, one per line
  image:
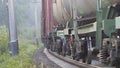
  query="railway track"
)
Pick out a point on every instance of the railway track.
point(58, 61)
point(76, 63)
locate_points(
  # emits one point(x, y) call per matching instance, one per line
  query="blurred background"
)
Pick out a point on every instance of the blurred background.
point(26, 14)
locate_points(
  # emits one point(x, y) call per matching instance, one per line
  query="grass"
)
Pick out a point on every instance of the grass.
point(23, 60)
point(27, 48)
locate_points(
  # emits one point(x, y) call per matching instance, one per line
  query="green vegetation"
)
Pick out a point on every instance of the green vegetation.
point(26, 52)
point(24, 17)
point(3, 40)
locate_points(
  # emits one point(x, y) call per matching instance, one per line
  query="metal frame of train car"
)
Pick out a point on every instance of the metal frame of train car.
point(109, 25)
point(87, 28)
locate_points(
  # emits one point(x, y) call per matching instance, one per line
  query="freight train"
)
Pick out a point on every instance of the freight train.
point(58, 30)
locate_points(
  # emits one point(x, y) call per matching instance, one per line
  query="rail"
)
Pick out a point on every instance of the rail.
point(70, 61)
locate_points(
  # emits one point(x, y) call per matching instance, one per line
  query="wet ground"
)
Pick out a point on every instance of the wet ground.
point(42, 60)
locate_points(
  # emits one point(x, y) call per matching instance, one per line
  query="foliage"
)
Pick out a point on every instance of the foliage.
point(26, 52)
point(24, 60)
point(24, 17)
point(3, 39)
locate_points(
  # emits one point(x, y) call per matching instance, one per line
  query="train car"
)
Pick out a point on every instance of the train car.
point(62, 11)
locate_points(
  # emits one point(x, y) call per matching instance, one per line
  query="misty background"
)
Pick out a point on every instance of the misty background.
point(24, 11)
point(24, 17)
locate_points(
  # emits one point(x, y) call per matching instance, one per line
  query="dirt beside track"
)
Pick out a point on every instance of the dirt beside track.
point(42, 61)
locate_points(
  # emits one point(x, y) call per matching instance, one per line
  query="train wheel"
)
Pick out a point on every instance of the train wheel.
point(73, 57)
point(89, 58)
point(77, 59)
point(64, 53)
point(83, 60)
point(113, 63)
point(78, 56)
point(117, 65)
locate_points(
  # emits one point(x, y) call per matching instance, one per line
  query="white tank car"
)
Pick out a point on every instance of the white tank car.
point(59, 12)
point(86, 7)
point(62, 8)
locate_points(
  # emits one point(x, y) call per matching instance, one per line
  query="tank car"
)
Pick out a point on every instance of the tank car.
point(84, 48)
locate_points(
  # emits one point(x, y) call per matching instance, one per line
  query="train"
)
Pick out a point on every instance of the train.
point(59, 31)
